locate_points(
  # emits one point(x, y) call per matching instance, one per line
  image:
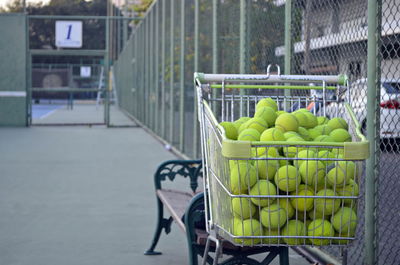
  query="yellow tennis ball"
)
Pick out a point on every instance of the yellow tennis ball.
point(316, 215)
point(239, 122)
point(303, 132)
point(284, 161)
point(243, 208)
point(266, 168)
point(326, 205)
point(312, 120)
point(254, 123)
point(345, 220)
point(349, 190)
point(271, 235)
point(285, 204)
point(267, 102)
point(307, 153)
point(322, 120)
point(324, 139)
point(248, 228)
point(312, 172)
point(341, 173)
point(340, 135)
point(272, 134)
point(279, 112)
point(249, 135)
point(290, 134)
point(242, 177)
point(302, 118)
point(294, 228)
point(273, 217)
point(287, 122)
point(320, 228)
point(302, 203)
point(263, 187)
point(292, 150)
point(230, 130)
point(336, 123)
point(266, 113)
point(287, 178)
point(325, 154)
point(314, 133)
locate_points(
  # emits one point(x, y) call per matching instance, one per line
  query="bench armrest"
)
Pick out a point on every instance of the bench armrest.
point(186, 168)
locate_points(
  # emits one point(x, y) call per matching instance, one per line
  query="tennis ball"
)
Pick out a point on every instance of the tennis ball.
point(320, 228)
point(242, 177)
point(279, 112)
point(249, 135)
point(302, 109)
point(273, 217)
point(340, 135)
point(324, 138)
point(302, 203)
point(314, 133)
point(267, 102)
point(230, 130)
point(254, 123)
point(285, 204)
point(272, 134)
point(312, 172)
point(243, 208)
point(283, 162)
point(263, 187)
point(325, 205)
point(323, 129)
point(234, 163)
point(271, 234)
point(266, 113)
point(247, 228)
point(301, 118)
point(345, 220)
point(325, 154)
point(292, 150)
point(312, 120)
point(287, 122)
point(341, 173)
point(349, 190)
point(316, 215)
point(336, 123)
point(239, 122)
point(322, 120)
point(307, 153)
point(303, 132)
point(287, 178)
point(290, 134)
point(294, 228)
point(266, 168)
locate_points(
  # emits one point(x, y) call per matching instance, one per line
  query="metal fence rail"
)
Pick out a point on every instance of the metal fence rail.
point(154, 76)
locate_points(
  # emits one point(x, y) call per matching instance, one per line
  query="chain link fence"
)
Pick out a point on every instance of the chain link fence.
point(328, 37)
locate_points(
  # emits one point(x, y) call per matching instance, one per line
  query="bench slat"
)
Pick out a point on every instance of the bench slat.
point(176, 202)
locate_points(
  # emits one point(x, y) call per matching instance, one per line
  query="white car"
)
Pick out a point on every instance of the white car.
point(389, 103)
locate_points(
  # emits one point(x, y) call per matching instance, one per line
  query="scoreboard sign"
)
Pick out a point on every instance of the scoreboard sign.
point(69, 34)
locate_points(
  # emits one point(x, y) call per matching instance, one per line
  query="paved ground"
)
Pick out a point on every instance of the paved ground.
point(80, 195)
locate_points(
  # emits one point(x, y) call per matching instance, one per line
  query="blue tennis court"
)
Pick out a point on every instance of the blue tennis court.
point(42, 111)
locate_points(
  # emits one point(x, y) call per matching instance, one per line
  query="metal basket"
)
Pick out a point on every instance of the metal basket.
point(249, 214)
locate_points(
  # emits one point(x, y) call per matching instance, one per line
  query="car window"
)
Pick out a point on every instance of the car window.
point(392, 87)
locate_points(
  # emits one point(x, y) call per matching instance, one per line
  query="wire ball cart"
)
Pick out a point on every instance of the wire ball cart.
point(282, 169)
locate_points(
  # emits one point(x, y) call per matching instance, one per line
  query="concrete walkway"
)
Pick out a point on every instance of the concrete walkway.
point(82, 196)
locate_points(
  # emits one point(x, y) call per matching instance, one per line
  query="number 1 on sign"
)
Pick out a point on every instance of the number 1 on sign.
point(69, 32)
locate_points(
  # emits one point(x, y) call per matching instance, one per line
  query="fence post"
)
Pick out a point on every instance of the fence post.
point(182, 81)
point(157, 59)
point(171, 96)
point(373, 113)
point(215, 5)
point(288, 45)
point(163, 29)
point(196, 68)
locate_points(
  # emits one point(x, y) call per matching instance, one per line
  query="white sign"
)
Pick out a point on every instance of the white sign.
point(69, 34)
point(86, 71)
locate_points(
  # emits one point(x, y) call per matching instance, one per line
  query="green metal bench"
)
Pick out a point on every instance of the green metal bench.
point(187, 210)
